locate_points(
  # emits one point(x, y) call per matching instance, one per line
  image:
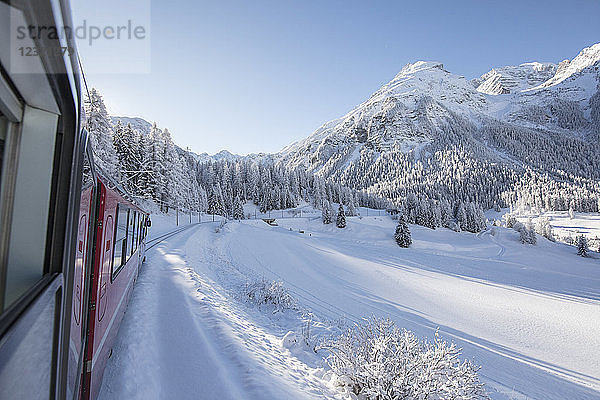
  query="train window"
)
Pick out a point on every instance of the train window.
point(141, 227)
point(120, 242)
point(31, 202)
point(130, 232)
point(138, 230)
point(133, 232)
point(142, 219)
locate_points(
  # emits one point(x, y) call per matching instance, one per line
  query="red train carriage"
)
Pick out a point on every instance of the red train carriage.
point(116, 247)
point(71, 242)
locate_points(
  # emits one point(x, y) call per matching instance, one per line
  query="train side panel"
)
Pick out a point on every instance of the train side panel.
point(113, 280)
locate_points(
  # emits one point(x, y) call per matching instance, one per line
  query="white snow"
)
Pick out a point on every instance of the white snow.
point(586, 58)
point(528, 314)
point(563, 226)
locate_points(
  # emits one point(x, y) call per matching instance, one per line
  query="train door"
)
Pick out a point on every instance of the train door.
point(84, 255)
point(104, 278)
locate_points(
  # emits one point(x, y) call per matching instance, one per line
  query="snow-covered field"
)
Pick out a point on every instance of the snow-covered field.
point(530, 315)
point(563, 226)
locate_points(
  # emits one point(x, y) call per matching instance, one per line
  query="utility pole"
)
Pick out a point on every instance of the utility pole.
point(177, 215)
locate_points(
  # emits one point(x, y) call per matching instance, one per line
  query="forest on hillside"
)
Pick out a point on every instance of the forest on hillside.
point(151, 166)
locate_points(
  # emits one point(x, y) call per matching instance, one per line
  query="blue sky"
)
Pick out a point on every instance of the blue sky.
point(254, 76)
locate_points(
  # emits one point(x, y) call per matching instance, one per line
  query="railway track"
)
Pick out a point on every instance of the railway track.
point(154, 241)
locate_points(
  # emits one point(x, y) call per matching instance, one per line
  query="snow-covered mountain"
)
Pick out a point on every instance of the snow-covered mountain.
point(225, 155)
point(143, 126)
point(514, 79)
point(535, 116)
point(525, 134)
point(137, 123)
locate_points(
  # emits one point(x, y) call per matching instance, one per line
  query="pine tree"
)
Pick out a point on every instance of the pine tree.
point(460, 214)
point(402, 234)
point(326, 213)
point(411, 207)
point(582, 246)
point(215, 201)
point(120, 143)
point(526, 234)
point(340, 221)
point(351, 209)
point(238, 208)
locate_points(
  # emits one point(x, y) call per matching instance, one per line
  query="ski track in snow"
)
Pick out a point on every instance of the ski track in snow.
point(528, 314)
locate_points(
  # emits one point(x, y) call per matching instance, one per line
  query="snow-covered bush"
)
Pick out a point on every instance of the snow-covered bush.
point(378, 361)
point(270, 292)
point(582, 246)
point(544, 228)
point(518, 226)
point(306, 337)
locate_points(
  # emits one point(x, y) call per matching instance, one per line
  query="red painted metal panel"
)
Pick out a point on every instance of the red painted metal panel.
point(109, 296)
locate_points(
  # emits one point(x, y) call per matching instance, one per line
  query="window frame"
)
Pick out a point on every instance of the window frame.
point(114, 272)
point(130, 234)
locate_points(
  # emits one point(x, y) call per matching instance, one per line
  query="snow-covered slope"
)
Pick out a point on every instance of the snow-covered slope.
point(587, 58)
point(514, 79)
point(527, 314)
point(422, 100)
point(137, 123)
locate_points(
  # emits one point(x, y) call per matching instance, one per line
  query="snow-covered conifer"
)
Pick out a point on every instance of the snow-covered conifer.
point(460, 214)
point(100, 128)
point(526, 234)
point(327, 213)
point(402, 234)
point(215, 201)
point(238, 208)
point(582, 246)
point(340, 221)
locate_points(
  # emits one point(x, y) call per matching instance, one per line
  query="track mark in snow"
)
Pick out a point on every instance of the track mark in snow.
point(184, 336)
point(527, 327)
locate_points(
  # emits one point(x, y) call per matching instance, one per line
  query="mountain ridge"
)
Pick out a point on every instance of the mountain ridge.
point(516, 133)
point(532, 117)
